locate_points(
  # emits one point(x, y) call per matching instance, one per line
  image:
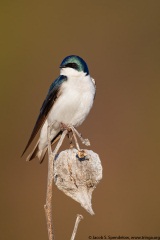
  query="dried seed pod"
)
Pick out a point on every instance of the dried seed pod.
point(78, 177)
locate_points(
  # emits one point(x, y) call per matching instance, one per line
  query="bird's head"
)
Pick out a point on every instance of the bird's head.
point(74, 64)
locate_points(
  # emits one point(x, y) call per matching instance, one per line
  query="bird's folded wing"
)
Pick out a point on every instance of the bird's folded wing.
point(52, 95)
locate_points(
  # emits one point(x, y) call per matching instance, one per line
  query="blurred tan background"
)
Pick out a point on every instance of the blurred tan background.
point(120, 41)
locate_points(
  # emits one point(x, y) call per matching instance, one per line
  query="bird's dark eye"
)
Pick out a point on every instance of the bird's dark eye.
point(72, 65)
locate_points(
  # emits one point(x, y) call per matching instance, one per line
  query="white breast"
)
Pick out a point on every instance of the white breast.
point(74, 102)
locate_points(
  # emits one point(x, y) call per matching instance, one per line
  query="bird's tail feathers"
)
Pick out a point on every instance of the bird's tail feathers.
point(37, 153)
point(40, 153)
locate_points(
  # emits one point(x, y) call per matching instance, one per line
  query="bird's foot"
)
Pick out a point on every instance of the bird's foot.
point(84, 141)
point(63, 127)
point(73, 130)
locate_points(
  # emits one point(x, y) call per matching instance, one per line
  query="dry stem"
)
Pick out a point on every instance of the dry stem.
point(48, 205)
point(78, 219)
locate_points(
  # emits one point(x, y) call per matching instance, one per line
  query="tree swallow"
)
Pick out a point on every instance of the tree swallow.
point(69, 100)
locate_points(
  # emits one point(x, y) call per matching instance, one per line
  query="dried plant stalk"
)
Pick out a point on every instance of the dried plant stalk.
point(78, 219)
point(48, 205)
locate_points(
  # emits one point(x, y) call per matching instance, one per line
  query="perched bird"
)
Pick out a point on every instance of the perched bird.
point(69, 100)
